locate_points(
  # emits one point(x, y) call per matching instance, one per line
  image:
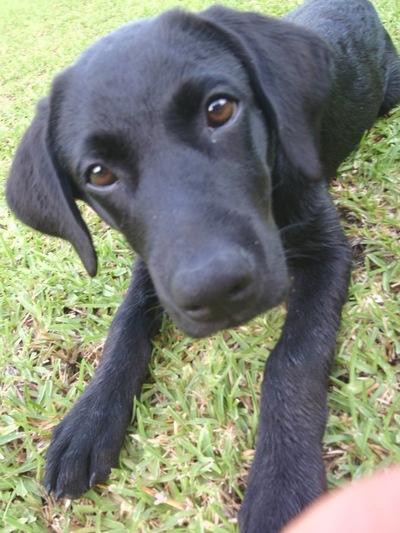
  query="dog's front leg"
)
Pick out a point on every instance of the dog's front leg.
point(86, 444)
point(288, 472)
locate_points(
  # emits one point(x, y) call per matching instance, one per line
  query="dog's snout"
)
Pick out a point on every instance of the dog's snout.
point(213, 288)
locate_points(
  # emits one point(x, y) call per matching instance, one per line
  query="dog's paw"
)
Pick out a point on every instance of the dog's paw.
point(84, 448)
point(254, 517)
point(260, 516)
point(266, 513)
point(269, 504)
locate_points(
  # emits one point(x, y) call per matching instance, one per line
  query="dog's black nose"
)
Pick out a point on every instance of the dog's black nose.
point(214, 286)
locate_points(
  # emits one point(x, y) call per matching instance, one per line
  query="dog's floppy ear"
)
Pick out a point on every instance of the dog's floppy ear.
point(288, 67)
point(41, 196)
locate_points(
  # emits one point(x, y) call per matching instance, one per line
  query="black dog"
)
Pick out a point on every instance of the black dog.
point(208, 141)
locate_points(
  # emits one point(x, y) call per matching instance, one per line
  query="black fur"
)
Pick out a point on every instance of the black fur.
point(227, 221)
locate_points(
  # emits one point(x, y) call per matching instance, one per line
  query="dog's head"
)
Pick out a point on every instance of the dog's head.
point(171, 129)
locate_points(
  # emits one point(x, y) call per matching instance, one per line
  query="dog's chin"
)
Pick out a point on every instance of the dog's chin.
point(198, 327)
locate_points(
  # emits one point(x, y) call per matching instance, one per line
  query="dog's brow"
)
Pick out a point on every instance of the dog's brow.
point(191, 93)
point(208, 83)
point(108, 146)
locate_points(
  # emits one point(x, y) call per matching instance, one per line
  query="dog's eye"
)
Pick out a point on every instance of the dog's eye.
point(220, 110)
point(101, 176)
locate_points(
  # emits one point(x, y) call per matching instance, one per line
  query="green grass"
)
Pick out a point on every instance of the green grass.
point(186, 460)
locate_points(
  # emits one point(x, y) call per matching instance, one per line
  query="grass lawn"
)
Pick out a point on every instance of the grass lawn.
point(186, 458)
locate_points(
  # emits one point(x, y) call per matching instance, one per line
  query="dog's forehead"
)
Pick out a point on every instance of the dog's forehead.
point(145, 60)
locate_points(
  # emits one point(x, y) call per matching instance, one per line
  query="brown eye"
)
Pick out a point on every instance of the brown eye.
point(220, 110)
point(101, 176)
